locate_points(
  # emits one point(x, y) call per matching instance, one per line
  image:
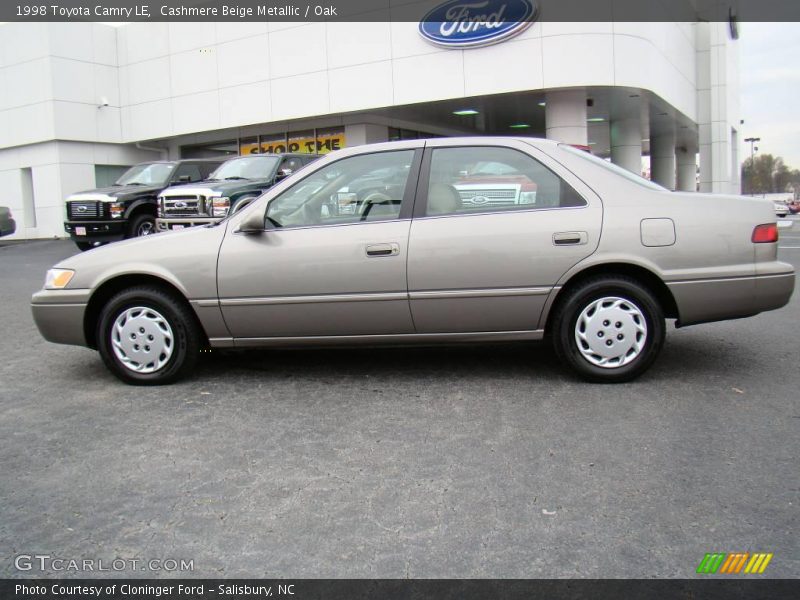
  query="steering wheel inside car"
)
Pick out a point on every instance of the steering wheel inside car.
point(373, 199)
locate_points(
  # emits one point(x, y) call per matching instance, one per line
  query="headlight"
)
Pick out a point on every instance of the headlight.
point(117, 209)
point(527, 198)
point(160, 207)
point(57, 279)
point(220, 206)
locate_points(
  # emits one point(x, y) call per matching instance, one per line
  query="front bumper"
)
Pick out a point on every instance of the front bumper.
point(96, 231)
point(59, 315)
point(170, 224)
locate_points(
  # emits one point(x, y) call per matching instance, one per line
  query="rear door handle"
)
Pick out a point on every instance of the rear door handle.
point(391, 249)
point(570, 238)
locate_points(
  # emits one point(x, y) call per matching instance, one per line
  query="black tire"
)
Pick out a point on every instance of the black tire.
point(84, 246)
point(241, 203)
point(569, 309)
point(186, 336)
point(141, 225)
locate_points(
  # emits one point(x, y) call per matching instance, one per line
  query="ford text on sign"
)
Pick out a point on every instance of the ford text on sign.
point(465, 24)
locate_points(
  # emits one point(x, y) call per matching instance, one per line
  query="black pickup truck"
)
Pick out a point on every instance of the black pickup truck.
point(7, 223)
point(128, 207)
point(231, 187)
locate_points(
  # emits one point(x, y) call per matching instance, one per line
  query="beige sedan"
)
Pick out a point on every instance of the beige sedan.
point(428, 242)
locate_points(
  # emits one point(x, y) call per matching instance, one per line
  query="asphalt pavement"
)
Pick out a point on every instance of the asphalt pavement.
point(448, 462)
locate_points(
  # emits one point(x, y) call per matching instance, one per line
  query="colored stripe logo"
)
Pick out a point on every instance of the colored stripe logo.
point(734, 563)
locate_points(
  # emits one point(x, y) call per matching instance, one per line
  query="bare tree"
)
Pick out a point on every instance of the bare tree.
point(767, 174)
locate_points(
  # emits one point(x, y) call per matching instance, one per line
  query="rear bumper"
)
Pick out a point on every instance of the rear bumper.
point(168, 224)
point(774, 290)
point(59, 315)
point(96, 231)
point(707, 300)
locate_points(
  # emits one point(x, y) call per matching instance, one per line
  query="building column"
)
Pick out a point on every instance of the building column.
point(357, 134)
point(718, 111)
point(565, 116)
point(626, 143)
point(687, 168)
point(662, 158)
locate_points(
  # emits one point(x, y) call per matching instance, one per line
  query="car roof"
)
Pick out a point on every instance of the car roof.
point(179, 161)
point(443, 141)
point(484, 139)
point(270, 154)
point(200, 160)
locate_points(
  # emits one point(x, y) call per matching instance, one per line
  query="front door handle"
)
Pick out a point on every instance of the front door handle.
point(391, 249)
point(570, 238)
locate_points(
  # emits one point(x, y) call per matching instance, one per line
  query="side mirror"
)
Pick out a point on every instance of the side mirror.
point(184, 179)
point(253, 223)
point(283, 174)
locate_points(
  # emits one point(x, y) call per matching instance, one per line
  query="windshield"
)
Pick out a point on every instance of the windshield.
point(609, 166)
point(147, 174)
point(250, 167)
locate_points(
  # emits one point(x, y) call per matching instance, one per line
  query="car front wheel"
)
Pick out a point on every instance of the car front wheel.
point(142, 225)
point(608, 329)
point(146, 336)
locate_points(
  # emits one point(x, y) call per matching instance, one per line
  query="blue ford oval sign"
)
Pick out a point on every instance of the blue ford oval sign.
point(469, 24)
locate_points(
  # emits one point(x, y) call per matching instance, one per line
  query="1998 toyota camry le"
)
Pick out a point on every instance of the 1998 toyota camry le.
point(429, 241)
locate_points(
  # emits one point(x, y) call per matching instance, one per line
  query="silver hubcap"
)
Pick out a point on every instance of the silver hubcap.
point(142, 339)
point(146, 228)
point(611, 332)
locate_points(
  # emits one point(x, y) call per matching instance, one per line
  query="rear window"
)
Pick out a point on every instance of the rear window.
point(609, 166)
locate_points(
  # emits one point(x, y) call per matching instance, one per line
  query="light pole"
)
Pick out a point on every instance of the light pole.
point(752, 141)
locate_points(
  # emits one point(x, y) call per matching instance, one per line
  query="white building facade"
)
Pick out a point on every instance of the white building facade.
point(81, 101)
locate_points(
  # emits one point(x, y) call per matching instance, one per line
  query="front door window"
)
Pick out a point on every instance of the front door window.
point(369, 187)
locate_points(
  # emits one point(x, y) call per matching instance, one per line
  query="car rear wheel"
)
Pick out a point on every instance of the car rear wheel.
point(84, 246)
point(146, 336)
point(141, 225)
point(608, 329)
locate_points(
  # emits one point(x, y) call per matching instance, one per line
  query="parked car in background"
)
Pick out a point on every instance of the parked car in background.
point(781, 209)
point(377, 244)
point(793, 206)
point(7, 223)
point(236, 183)
point(127, 208)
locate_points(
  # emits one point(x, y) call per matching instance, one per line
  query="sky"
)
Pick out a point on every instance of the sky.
point(769, 71)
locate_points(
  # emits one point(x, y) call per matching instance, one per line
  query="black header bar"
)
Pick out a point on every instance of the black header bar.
point(389, 10)
point(735, 588)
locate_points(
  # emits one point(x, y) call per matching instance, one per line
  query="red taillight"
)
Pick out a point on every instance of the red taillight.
point(582, 147)
point(765, 234)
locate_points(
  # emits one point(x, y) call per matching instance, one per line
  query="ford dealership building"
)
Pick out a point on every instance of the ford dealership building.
point(81, 101)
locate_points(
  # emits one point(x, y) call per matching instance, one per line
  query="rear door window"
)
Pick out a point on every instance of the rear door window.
point(207, 168)
point(291, 164)
point(190, 170)
point(483, 179)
